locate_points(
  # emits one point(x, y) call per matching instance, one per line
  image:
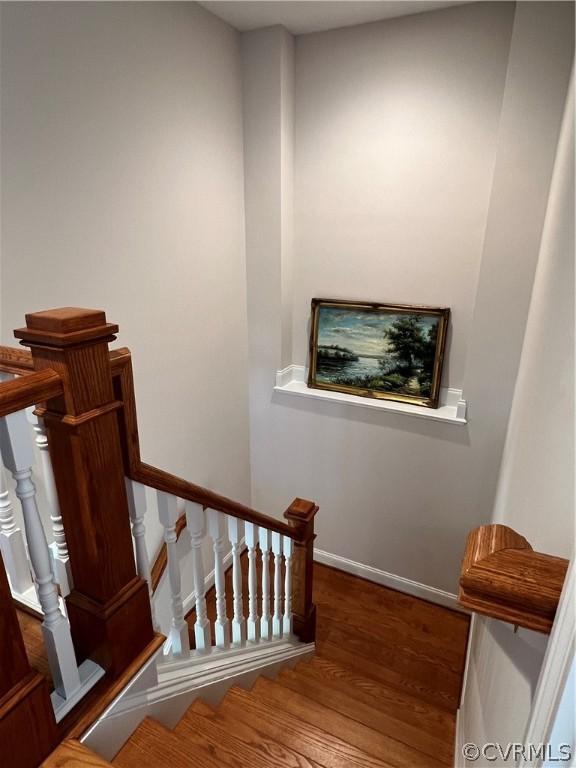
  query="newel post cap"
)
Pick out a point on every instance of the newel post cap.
point(65, 326)
point(301, 514)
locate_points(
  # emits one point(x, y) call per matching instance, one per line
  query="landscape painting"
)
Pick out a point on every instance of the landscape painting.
point(385, 351)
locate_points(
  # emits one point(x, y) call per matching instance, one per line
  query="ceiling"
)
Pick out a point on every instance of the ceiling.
point(303, 16)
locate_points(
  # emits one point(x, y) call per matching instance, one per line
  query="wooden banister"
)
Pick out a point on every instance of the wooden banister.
point(15, 360)
point(300, 515)
point(96, 387)
point(109, 609)
point(504, 578)
point(164, 481)
point(28, 390)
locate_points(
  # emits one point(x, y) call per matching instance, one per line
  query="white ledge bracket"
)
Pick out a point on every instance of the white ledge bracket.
point(452, 409)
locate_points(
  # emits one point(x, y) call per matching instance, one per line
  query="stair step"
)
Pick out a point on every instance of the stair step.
point(436, 721)
point(271, 750)
point(296, 734)
point(377, 744)
point(201, 708)
point(344, 702)
point(72, 754)
point(224, 748)
point(154, 746)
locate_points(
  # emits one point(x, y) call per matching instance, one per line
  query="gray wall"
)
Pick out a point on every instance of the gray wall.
point(122, 188)
point(536, 484)
point(423, 153)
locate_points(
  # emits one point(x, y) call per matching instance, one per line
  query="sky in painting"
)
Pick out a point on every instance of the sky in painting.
point(362, 332)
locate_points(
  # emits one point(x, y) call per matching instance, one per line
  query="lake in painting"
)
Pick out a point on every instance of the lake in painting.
point(379, 350)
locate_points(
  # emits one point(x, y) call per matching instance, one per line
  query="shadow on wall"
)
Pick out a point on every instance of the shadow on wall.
point(436, 430)
point(524, 649)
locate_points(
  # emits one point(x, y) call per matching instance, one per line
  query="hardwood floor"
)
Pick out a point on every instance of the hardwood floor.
point(381, 691)
point(34, 643)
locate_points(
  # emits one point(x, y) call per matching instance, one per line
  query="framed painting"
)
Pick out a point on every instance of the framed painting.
point(386, 351)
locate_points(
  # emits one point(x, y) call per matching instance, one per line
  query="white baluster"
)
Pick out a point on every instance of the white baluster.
point(253, 627)
point(265, 619)
point(217, 527)
point(277, 619)
point(288, 548)
point(136, 494)
point(238, 621)
point(18, 457)
point(178, 639)
point(58, 548)
point(196, 524)
point(12, 544)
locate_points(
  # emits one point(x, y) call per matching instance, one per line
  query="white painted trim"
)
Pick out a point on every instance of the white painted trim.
point(555, 668)
point(90, 673)
point(177, 684)
point(452, 408)
point(190, 599)
point(399, 583)
point(459, 736)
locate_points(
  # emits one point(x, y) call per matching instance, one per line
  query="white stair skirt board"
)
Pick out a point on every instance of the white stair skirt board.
point(399, 583)
point(180, 682)
point(90, 673)
point(291, 381)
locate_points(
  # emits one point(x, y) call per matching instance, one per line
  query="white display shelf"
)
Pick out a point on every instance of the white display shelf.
point(291, 381)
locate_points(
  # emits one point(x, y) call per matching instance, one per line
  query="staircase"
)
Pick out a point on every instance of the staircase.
point(389, 702)
point(319, 714)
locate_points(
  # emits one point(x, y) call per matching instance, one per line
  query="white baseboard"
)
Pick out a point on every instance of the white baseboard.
point(399, 583)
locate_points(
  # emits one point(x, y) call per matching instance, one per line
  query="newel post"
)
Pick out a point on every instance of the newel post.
point(109, 608)
point(300, 514)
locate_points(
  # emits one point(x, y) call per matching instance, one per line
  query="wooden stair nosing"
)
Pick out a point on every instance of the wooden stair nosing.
point(315, 743)
point(331, 696)
point(361, 736)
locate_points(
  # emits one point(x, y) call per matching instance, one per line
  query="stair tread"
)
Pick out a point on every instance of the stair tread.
point(278, 754)
point(308, 740)
point(152, 745)
point(361, 736)
point(434, 720)
point(225, 749)
point(326, 693)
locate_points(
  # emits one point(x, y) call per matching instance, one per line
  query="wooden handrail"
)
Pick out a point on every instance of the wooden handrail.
point(504, 578)
point(28, 390)
point(164, 481)
point(15, 360)
point(299, 525)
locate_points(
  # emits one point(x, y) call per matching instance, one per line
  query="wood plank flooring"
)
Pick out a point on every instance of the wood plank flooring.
point(381, 691)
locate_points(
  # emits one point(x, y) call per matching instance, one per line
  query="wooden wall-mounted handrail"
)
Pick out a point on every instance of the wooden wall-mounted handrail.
point(504, 578)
